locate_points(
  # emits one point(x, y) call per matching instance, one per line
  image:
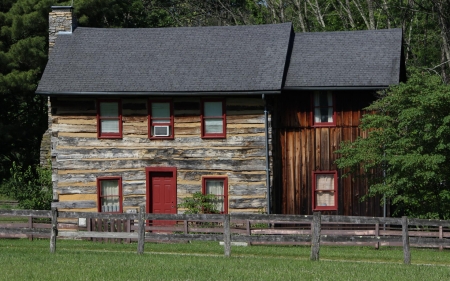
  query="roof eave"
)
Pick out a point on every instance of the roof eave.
point(333, 88)
point(194, 93)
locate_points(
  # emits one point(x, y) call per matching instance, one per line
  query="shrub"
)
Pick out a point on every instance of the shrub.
point(199, 203)
point(32, 187)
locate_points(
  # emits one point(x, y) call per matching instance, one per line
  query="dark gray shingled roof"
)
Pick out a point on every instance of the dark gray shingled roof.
point(371, 58)
point(182, 59)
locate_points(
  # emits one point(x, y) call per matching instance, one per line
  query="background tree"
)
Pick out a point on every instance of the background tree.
point(23, 55)
point(408, 138)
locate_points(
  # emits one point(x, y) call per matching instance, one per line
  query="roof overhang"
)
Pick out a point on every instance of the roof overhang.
point(130, 94)
point(334, 88)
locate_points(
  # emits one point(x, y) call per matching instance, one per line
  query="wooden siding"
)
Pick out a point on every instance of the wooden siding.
point(79, 157)
point(300, 149)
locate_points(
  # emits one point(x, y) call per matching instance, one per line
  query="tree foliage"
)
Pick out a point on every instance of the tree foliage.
point(408, 139)
point(32, 187)
point(23, 55)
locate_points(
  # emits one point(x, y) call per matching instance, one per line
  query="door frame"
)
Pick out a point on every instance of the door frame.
point(148, 171)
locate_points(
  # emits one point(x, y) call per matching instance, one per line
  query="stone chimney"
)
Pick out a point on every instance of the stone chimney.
point(60, 21)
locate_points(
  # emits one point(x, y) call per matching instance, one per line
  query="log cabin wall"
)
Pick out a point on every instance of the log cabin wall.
point(300, 149)
point(79, 157)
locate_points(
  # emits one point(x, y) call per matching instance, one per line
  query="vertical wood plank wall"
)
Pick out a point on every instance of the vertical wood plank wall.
point(300, 149)
point(79, 157)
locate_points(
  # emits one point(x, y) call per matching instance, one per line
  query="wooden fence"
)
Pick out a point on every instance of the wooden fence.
point(313, 230)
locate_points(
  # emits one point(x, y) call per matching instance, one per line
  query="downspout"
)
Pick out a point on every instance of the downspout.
point(266, 139)
point(384, 177)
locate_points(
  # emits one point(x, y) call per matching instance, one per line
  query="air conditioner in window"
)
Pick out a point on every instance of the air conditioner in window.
point(161, 131)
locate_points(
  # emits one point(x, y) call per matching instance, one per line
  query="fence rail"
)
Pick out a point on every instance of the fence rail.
point(313, 230)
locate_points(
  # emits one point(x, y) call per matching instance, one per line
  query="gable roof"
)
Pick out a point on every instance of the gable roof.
point(346, 59)
point(182, 60)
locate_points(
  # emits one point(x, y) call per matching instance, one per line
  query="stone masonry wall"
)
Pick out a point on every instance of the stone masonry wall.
point(59, 19)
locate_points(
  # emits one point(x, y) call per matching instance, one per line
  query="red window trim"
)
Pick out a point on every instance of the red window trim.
point(99, 190)
point(171, 124)
point(224, 119)
point(225, 189)
point(314, 191)
point(101, 135)
point(313, 107)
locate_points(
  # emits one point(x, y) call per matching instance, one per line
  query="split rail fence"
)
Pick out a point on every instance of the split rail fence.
point(313, 230)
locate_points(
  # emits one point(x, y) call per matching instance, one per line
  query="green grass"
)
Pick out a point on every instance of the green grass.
point(84, 260)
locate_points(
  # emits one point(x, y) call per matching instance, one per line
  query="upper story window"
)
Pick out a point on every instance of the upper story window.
point(323, 109)
point(213, 119)
point(109, 193)
point(218, 186)
point(160, 118)
point(109, 119)
point(325, 190)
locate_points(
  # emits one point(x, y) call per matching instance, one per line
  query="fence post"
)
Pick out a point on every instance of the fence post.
point(128, 228)
point(227, 235)
point(30, 225)
point(141, 231)
point(54, 230)
point(377, 234)
point(441, 236)
point(405, 240)
point(315, 236)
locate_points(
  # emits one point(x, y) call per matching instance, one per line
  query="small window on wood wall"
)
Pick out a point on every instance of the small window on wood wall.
point(109, 119)
point(217, 186)
point(323, 113)
point(160, 119)
point(213, 118)
point(325, 190)
point(109, 194)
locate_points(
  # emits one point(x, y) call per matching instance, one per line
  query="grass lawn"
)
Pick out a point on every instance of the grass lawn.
point(21, 259)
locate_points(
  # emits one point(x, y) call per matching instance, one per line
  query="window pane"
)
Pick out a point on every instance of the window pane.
point(213, 108)
point(323, 103)
point(216, 187)
point(161, 110)
point(325, 199)
point(110, 195)
point(110, 187)
point(213, 126)
point(325, 182)
point(110, 126)
point(109, 109)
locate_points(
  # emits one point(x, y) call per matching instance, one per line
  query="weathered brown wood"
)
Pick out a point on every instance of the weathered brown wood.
point(54, 230)
point(99, 234)
point(26, 231)
point(226, 235)
point(317, 152)
point(315, 237)
point(405, 240)
point(141, 230)
point(441, 236)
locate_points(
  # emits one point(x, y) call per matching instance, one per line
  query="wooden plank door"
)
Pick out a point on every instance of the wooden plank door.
point(162, 192)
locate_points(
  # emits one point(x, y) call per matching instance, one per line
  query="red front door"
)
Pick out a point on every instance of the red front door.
point(162, 192)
